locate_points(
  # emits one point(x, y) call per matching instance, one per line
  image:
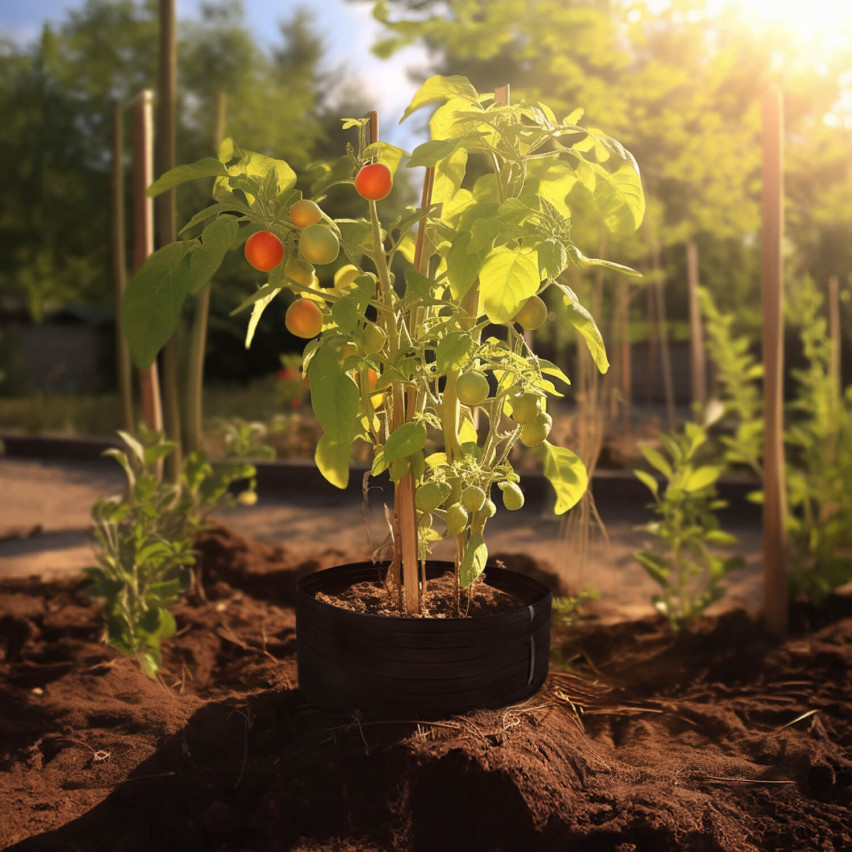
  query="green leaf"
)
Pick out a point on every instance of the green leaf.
point(208, 167)
point(649, 481)
point(257, 167)
point(431, 153)
point(567, 474)
point(449, 174)
point(463, 266)
point(720, 537)
point(385, 153)
point(332, 457)
point(615, 267)
point(260, 293)
point(656, 566)
point(702, 478)
point(507, 279)
point(216, 240)
point(348, 310)
point(550, 369)
point(404, 440)
point(439, 88)
point(257, 312)
point(473, 562)
point(656, 460)
point(334, 396)
point(419, 285)
point(454, 351)
point(356, 235)
point(152, 302)
point(551, 179)
point(588, 329)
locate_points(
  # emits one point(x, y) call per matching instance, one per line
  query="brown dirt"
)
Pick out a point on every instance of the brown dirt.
point(640, 740)
point(438, 602)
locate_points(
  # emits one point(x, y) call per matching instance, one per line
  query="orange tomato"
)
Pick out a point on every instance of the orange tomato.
point(264, 251)
point(303, 318)
point(374, 182)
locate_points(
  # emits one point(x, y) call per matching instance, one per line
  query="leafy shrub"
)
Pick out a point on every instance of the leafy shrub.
point(144, 540)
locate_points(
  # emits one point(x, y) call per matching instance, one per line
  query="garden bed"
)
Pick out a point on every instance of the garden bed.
point(640, 740)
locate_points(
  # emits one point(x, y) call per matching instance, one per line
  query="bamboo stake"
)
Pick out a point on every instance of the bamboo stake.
point(834, 334)
point(774, 502)
point(167, 216)
point(123, 371)
point(626, 354)
point(195, 377)
point(697, 363)
point(405, 564)
point(662, 333)
point(143, 236)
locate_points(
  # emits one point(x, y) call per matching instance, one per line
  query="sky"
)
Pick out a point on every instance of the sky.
point(348, 29)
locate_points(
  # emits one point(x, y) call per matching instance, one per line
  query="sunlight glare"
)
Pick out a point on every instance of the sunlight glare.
point(822, 24)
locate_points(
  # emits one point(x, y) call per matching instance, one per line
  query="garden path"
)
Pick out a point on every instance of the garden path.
point(45, 516)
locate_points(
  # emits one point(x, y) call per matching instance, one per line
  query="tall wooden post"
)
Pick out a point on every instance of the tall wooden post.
point(143, 235)
point(774, 486)
point(124, 375)
point(834, 334)
point(697, 362)
point(198, 344)
point(165, 159)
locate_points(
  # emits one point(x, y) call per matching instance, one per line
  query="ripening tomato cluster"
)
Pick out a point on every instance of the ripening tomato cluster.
point(318, 245)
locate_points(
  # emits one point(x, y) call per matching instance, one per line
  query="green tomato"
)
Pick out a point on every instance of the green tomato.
point(430, 495)
point(372, 339)
point(525, 407)
point(472, 388)
point(537, 430)
point(456, 519)
point(532, 315)
point(473, 498)
point(513, 497)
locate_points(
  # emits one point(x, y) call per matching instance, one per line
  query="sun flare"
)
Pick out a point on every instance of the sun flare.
point(822, 24)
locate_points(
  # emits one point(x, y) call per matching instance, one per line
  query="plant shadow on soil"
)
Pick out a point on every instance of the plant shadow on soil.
point(648, 741)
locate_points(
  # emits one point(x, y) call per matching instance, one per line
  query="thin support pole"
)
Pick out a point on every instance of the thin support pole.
point(774, 488)
point(697, 363)
point(124, 374)
point(167, 216)
point(143, 236)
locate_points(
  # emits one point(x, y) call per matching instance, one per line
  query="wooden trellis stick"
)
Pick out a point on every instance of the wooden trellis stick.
point(195, 377)
point(123, 369)
point(167, 215)
point(143, 236)
point(774, 486)
point(697, 363)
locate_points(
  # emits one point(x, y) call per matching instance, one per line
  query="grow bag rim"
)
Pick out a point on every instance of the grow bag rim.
point(543, 596)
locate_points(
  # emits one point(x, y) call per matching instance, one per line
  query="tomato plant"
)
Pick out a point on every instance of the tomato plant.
point(402, 359)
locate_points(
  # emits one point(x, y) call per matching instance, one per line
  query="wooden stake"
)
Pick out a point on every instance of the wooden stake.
point(198, 343)
point(834, 334)
point(167, 215)
point(662, 332)
point(143, 236)
point(774, 488)
point(123, 371)
point(697, 362)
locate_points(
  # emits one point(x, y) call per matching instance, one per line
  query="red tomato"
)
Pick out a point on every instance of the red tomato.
point(264, 251)
point(374, 182)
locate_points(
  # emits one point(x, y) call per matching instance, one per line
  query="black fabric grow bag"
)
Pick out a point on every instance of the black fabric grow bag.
point(428, 666)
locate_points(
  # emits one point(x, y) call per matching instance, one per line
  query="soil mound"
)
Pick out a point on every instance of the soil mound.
point(639, 740)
